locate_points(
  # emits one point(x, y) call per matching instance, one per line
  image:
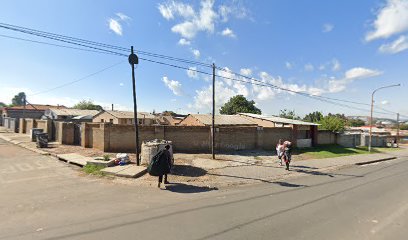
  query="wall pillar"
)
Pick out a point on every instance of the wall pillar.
point(294, 135)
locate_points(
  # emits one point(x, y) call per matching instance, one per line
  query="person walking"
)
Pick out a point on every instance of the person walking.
point(160, 165)
point(280, 149)
point(287, 155)
point(167, 163)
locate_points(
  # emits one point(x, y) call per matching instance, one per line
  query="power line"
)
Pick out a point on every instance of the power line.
point(53, 44)
point(100, 49)
point(59, 37)
point(80, 79)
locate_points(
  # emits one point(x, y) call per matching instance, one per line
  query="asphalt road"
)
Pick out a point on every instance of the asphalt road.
point(43, 198)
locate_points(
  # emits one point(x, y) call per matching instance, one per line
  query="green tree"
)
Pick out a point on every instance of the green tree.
point(290, 114)
point(404, 126)
point(87, 105)
point(2, 104)
point(313, 117)
point(168, 113)
point(18, 100)
point(355, 123)
point(239, 104)
point(332, 123)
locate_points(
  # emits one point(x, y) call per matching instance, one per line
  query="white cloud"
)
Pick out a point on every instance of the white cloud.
point(309, 67)
point(327, 27)
point(338, 85)
point(397, 46)
point(391, 19)
point(322, 67)
point(173, 85)
point(203, 98)
point(114, 23)
point(336, 65)
point(385, 102)
point(289, 65)
point(236, 9)
point(359, 72)
point(228, 33)
point(171, 8)
point(192, 72)
point(123, 17)
point(184, 42)
point(196, 53)
point(115, 26)
point(203, 20)
point(245, 71)
point(121, 84)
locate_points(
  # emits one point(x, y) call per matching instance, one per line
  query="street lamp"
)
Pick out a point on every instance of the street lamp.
point(371, 115)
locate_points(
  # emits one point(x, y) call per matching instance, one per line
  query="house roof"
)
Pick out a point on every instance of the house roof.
point(278, 119)
point(73, 112)
point(129, 115)
point(206, 119)
point(40, 107)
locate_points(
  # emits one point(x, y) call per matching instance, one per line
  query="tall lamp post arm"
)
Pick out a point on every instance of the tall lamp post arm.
point(371, 112)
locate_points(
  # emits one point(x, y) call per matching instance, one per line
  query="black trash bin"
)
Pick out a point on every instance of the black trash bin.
point(42, 140)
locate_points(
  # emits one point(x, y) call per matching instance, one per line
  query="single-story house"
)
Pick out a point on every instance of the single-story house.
point(168, 120)
point(304, 133)
point(35, 111)
point(219, 120)
point(124, 117)
point(70, 114)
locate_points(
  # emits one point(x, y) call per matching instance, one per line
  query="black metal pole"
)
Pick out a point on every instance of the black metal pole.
point(133, 59)
point(213, 115)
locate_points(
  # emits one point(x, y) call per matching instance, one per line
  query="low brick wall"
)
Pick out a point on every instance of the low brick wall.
point(121, 138)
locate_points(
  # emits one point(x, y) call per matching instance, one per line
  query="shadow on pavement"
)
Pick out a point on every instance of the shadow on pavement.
point(184, 188)
point(300, 166)
point(188, 171)
point(286, 184)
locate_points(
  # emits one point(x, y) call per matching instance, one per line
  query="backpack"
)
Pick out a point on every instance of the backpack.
point(158, 164)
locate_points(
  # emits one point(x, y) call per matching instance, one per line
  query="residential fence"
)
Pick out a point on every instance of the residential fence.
point(121, 138)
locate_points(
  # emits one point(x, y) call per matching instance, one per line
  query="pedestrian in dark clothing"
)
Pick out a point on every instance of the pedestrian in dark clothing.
point(287, 156)
point(166, 157)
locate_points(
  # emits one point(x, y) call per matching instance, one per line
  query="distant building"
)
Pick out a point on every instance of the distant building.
point(70, 114)
point(304, 134)
point(35, 111)
point(168, 120)
point(125, 117)
point(220, 120)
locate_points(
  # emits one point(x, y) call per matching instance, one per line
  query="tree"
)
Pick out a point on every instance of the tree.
point(355, 122)
point(2, 104)
point(290, 114)
point(332, 123)
point(168, 113)
point(87, 105)
point(18, 100)
point(404, 127)
point(313, 117)
point(239, 104)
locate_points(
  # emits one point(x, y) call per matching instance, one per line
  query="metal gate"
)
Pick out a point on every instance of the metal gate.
point(77, 134)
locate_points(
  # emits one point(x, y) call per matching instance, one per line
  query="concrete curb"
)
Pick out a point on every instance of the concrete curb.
point(20, 144)
point(375, 161)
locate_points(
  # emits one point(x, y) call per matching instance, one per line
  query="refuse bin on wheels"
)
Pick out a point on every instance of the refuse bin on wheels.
point(42, 140)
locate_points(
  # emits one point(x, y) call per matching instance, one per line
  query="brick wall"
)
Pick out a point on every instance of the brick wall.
point(271, 136)
point(326, 137)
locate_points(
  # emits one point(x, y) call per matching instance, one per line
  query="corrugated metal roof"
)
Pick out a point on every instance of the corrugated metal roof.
point(130, 115)
point(206, 119)
point(279, 119)
point(74, 112)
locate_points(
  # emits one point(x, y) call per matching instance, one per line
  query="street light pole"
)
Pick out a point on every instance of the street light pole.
point(371, 114)
point(133, 59)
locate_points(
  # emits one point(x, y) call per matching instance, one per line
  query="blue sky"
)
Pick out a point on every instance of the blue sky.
point(339, 49)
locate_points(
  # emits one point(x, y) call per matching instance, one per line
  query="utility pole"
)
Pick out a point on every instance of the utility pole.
point(213, 115)
point(133, 59)
point(398, 129)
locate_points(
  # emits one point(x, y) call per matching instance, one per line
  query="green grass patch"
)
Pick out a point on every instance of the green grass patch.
point(93, 170)
point(331, 151)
